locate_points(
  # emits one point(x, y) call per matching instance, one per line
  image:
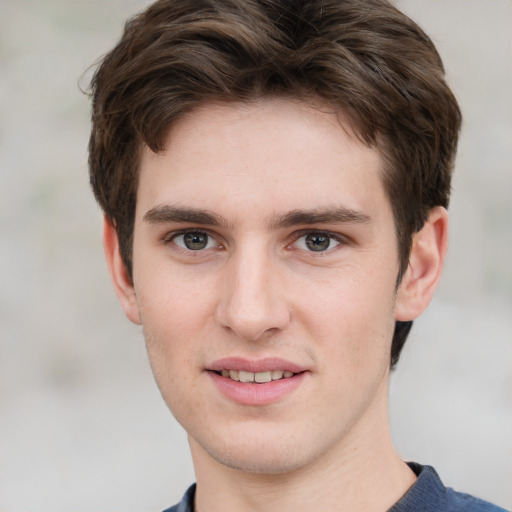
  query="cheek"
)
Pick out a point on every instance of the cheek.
point(173, 304)
point(172, 358)
point(354, 317)
point(174, 316)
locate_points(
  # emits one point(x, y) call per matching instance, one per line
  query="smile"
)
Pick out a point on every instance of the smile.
point(256, 377)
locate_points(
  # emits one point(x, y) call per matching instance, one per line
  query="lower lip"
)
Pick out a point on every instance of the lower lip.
point(249, 393)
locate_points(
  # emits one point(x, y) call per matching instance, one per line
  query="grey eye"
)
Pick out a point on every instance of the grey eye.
point(194, 241)
point(317, 242)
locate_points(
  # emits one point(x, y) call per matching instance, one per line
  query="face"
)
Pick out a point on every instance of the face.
point(265, 264)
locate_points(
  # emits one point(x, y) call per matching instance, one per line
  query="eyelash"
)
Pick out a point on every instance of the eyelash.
point(340, 239)
point(336, 237)
point(170, 238)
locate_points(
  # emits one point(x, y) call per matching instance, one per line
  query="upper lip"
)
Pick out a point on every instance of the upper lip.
point(255, 365)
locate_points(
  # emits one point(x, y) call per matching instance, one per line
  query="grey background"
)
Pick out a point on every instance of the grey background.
point(82, 426)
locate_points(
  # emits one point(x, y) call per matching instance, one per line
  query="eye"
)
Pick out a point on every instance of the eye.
point(316, 242)
point(194, 240)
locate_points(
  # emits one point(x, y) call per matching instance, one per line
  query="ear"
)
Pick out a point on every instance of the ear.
point(122, 282)
point(426, 261)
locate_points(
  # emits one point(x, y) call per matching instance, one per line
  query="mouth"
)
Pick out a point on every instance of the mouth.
point(256, 377)
point(256, 382)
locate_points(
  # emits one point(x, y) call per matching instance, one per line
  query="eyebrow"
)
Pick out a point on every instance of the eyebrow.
point(333, 215)
point(165, 213)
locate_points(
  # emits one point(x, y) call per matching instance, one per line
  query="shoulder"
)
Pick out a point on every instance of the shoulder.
point(187, 502)
point(458, 501)
point(428, 494)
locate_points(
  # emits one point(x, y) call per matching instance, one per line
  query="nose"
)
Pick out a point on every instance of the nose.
point(252, 303)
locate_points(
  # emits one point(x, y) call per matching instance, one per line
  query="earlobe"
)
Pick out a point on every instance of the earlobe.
point(122, 282)
point(426, 261)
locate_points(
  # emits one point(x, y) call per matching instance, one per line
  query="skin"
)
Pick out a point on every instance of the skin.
point(257, 290)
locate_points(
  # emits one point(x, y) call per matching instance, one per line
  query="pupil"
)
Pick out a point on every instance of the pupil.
point(195, 241)
point(318, 242)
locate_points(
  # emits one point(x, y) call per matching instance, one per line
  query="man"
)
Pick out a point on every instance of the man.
point(274, 177)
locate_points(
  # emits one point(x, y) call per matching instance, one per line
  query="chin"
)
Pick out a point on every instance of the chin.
point(259, 456)
point(258, 463)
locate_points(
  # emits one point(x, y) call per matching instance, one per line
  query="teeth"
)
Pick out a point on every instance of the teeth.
point(263, 377)
point(259, 377)
point(246, 376)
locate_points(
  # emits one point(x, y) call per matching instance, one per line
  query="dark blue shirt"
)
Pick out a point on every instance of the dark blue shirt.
point(427, 494)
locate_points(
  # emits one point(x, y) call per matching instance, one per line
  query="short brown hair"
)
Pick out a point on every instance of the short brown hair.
point(364, 59)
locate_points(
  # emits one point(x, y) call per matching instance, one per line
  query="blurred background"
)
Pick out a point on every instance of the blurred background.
point(82, 425)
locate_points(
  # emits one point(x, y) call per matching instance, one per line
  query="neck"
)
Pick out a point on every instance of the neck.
point(361, 473)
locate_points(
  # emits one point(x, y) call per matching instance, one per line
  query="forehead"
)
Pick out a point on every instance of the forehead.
point(277, 154)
